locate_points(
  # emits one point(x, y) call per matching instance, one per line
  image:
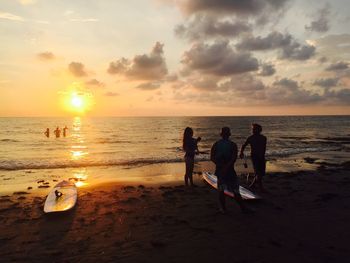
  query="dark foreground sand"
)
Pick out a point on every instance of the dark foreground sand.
point(305, 217)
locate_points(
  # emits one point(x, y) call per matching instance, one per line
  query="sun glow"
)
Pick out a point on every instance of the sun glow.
point(77, 102)
point(77, 99)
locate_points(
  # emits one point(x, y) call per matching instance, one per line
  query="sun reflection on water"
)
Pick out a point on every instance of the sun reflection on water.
point(78, 148)
point(80, 178)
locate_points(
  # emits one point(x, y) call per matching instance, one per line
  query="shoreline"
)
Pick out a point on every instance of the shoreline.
point(39, 182)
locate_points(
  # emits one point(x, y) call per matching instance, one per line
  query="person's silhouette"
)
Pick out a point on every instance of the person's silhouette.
point(47, 132)
point(257, 143)
point(65, 131)
point(224, 154)
point(57, 132)
point(189, 145)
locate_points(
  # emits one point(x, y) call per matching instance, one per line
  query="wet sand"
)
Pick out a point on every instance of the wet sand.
point(304, 217)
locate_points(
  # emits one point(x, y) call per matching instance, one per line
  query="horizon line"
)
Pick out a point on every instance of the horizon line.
point(164, 116)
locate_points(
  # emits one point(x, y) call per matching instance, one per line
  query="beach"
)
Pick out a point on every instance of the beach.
point(302, 218)
point(123, 125)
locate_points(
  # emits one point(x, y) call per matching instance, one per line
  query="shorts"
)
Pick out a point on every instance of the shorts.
point(259, 165)
point(229, 183)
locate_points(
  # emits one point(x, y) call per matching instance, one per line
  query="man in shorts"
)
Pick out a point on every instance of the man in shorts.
point(224, 154)
point(257, 143)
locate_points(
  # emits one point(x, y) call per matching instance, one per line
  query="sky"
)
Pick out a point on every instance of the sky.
point(174, 57)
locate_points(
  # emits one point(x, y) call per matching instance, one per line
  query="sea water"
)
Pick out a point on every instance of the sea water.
point(146, 140)
point(138, 141)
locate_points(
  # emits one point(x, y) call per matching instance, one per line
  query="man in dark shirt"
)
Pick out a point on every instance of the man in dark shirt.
point(257, 143)
point(224, 154)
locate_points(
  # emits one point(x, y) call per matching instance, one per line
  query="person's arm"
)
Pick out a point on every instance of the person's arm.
point(234, 155)
point(264, 149)
point(231, 162)
point(241, 154)
point(213, 153)
point(197, 141)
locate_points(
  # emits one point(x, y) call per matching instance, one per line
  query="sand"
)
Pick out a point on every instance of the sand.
point(304, 217)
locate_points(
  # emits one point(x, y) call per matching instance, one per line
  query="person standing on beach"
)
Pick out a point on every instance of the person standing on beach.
point(65, 131)
point(47, 132)
point(257, 143)
point(224, 154)
point(57, 132)
point(189, 145)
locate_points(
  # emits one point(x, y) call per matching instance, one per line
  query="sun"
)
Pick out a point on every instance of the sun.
point(77, 102)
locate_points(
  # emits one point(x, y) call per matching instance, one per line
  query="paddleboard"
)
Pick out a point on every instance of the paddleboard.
point(64, 202)
point(211, 179)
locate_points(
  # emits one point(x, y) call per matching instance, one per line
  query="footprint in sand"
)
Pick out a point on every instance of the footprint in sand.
point(158, 244)
point(130, 200)
point(128, 189)
point(326, 197)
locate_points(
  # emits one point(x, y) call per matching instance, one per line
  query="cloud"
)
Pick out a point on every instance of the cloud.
point(9, 16)
point(297, 51)
point(322, 60)
point(245, 87)
point(171, 78)
point(218, 59)
point(77, 69)
point(149, 86)
point(95, 83)
point(288, 91)
point(321, 22)
point(341, 65)
point(202, 27)
point(238, 90)
point(273, 40)
point(334, 46)
point(238, 7)
point(205, 84)
point(289, 48)
point(142, 67)
point(326, 83)
point(267, 70)
point(46, 56)
point(337, 97)
point(119, 67)
point(111, 94)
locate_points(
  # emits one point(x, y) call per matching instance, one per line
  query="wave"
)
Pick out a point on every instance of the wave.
point(8, 140)
point(288, 152)
point(13, 165)
point(205, 156)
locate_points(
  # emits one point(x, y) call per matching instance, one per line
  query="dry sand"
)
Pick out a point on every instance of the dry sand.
point(303, 218)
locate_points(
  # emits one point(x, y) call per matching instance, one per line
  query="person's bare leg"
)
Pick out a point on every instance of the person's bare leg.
point(186, 178)
point(241, 204)
point(252, 185)
point(239, 201)
point(190, 173)
point(259, 181)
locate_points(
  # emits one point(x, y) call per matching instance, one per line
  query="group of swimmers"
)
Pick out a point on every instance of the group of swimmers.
point(57, 132)
point(223, 154)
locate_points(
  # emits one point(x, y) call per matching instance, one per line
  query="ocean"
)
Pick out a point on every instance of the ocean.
point(135, 141)
point(148, 149)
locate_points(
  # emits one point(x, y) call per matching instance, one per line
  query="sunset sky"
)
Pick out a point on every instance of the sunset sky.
point(174, 57)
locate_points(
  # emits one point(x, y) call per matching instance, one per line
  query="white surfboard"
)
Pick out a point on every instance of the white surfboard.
point(211, 179)
point(64, 202)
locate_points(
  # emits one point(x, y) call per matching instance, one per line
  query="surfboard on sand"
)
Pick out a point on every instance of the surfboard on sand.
point(211, 179)
point(59, 203)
